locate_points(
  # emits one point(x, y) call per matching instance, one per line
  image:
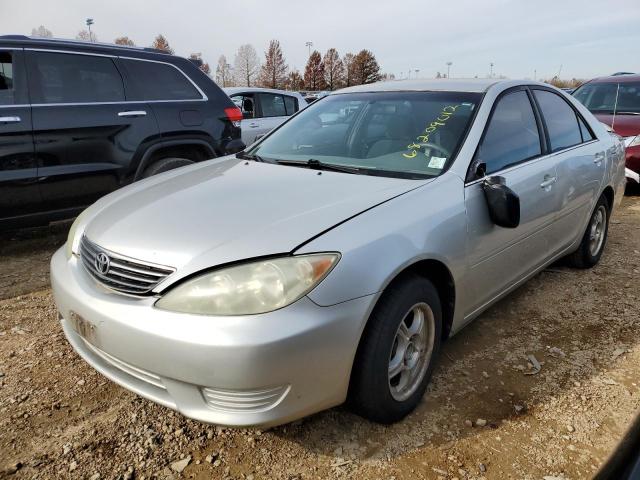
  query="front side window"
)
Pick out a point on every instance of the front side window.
point(7, 95)
point(400, 134)
point(159, 81)
point(291, 104)
point(69, 78)
point(512, 134)
point(272, 105)
point(560, 119)
point(607, 97)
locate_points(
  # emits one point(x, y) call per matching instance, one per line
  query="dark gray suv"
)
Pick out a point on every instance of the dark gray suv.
point(78, 120)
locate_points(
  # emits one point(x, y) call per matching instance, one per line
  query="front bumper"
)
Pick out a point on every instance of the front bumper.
point(259, 370)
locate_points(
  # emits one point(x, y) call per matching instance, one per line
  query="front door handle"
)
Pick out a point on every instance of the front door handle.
point(10, 119)
point(254, 125)
point(132, 113)
point(548, 181)
point(598, 158)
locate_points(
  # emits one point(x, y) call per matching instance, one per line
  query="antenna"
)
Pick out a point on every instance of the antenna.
point(615, 107)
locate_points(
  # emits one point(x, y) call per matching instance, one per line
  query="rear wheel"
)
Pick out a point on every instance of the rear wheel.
point(164, 165)
point(594, 238)
point(397, 352)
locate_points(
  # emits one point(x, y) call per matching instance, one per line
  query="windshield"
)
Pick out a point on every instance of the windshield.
point(402, 134)
point(601, 97)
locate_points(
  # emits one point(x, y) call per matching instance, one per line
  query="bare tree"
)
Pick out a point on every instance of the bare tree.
point(41, 31)
point(366, 67)
point(85, 36)
point(274, 69)
point(333, 69)
point(295, 81)
point(349, 73)
point(223, 72)
point(124, 41)
point(314, 73)
point(246, 65)
point(202, 65)
point(161, 43)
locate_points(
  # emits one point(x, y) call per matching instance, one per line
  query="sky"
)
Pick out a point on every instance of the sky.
point(522, 38)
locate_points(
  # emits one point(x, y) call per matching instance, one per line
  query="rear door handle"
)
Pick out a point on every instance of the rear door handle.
point(598, 158)
point(132, 113)
point(10, 120)
point(548, 181)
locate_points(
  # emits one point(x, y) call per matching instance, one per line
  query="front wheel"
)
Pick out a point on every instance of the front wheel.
point(594, 238)
point(396, 355)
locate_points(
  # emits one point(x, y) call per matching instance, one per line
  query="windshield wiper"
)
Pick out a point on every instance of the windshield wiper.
point(251, 156)
point(314, 164)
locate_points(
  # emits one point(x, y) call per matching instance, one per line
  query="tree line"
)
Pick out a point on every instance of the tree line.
point(322, 72)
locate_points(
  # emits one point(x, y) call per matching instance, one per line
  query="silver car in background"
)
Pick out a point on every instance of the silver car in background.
point(329, 261)
point(263, 109)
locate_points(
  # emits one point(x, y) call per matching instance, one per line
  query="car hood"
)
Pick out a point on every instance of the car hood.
point(227, 210)
point(625, 125)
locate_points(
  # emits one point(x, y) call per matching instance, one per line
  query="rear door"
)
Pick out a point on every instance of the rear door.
point(86, 133)
point(273, 111)
point(19, 194)
point(512, 147)
point(580, 160)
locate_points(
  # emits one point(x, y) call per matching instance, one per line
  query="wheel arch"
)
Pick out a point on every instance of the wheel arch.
point(196, 150)
point(609, 194)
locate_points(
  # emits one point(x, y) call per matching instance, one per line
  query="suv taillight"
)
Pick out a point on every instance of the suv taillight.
point(233, 113)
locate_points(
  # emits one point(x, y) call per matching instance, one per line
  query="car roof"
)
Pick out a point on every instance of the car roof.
point(23, 41)
point(624, 78)
point(477, 85)
point(232, 90)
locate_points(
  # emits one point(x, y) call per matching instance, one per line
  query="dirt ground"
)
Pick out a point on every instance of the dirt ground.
point(485, 415)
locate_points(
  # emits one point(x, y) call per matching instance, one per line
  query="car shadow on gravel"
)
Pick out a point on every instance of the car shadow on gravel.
point(572, 323)
point(25, 256)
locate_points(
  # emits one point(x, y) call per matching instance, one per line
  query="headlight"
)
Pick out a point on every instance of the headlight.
point(71, 246)
point(251, 288)
point(632, 141)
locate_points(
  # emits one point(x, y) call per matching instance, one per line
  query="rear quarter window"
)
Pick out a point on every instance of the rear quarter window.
point(159, 81)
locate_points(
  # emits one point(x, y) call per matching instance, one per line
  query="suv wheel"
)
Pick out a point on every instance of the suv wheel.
point(397, 352)
point(164, 165)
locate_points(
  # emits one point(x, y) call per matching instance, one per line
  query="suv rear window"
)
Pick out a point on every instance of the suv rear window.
point(71, 78)
point(6, 79)
point(159, 81)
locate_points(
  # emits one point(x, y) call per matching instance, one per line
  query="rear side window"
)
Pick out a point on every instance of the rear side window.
point(291, 104)
point(70, 78)
point(7, 96)
point(160, 81)
point(584, 130)
point(561, 120)
point(245, 102)
point(272, 105)
point(512, 135)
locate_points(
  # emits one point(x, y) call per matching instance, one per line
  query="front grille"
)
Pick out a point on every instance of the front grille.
point(247, 401)
point(121, 273)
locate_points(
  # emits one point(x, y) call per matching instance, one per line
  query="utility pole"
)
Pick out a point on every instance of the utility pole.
point(309, 45)
point(417, 70)
point(449, 69)
point(491, 70)
point(89, 23)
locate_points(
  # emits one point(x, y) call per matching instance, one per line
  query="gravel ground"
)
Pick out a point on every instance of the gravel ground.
point(487, 413)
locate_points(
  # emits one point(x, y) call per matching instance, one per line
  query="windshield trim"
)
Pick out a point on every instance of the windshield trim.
point(412, 175)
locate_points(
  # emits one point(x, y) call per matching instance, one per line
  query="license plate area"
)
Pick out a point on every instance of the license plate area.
point(83, 327)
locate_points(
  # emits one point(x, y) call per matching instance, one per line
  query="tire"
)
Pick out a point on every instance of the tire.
point(164, 165)
point(590, 249)
point(374, 393)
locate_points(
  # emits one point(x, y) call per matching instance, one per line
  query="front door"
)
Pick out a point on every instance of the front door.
point(512, 147)
point(19, 194)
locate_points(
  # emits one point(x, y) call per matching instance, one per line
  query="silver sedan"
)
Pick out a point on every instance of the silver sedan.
point(330, 260)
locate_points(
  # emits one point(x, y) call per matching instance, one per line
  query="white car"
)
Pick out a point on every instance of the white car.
point(263, 109)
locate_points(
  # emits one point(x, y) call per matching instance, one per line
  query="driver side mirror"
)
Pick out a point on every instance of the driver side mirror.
point(503, 203)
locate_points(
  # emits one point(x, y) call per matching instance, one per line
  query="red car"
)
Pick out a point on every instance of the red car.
point(615, 101)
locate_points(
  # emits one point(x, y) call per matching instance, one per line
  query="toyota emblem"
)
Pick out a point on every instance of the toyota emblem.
point(102, 263)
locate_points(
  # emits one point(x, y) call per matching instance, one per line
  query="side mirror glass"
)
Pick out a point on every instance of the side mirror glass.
point(503, 203)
